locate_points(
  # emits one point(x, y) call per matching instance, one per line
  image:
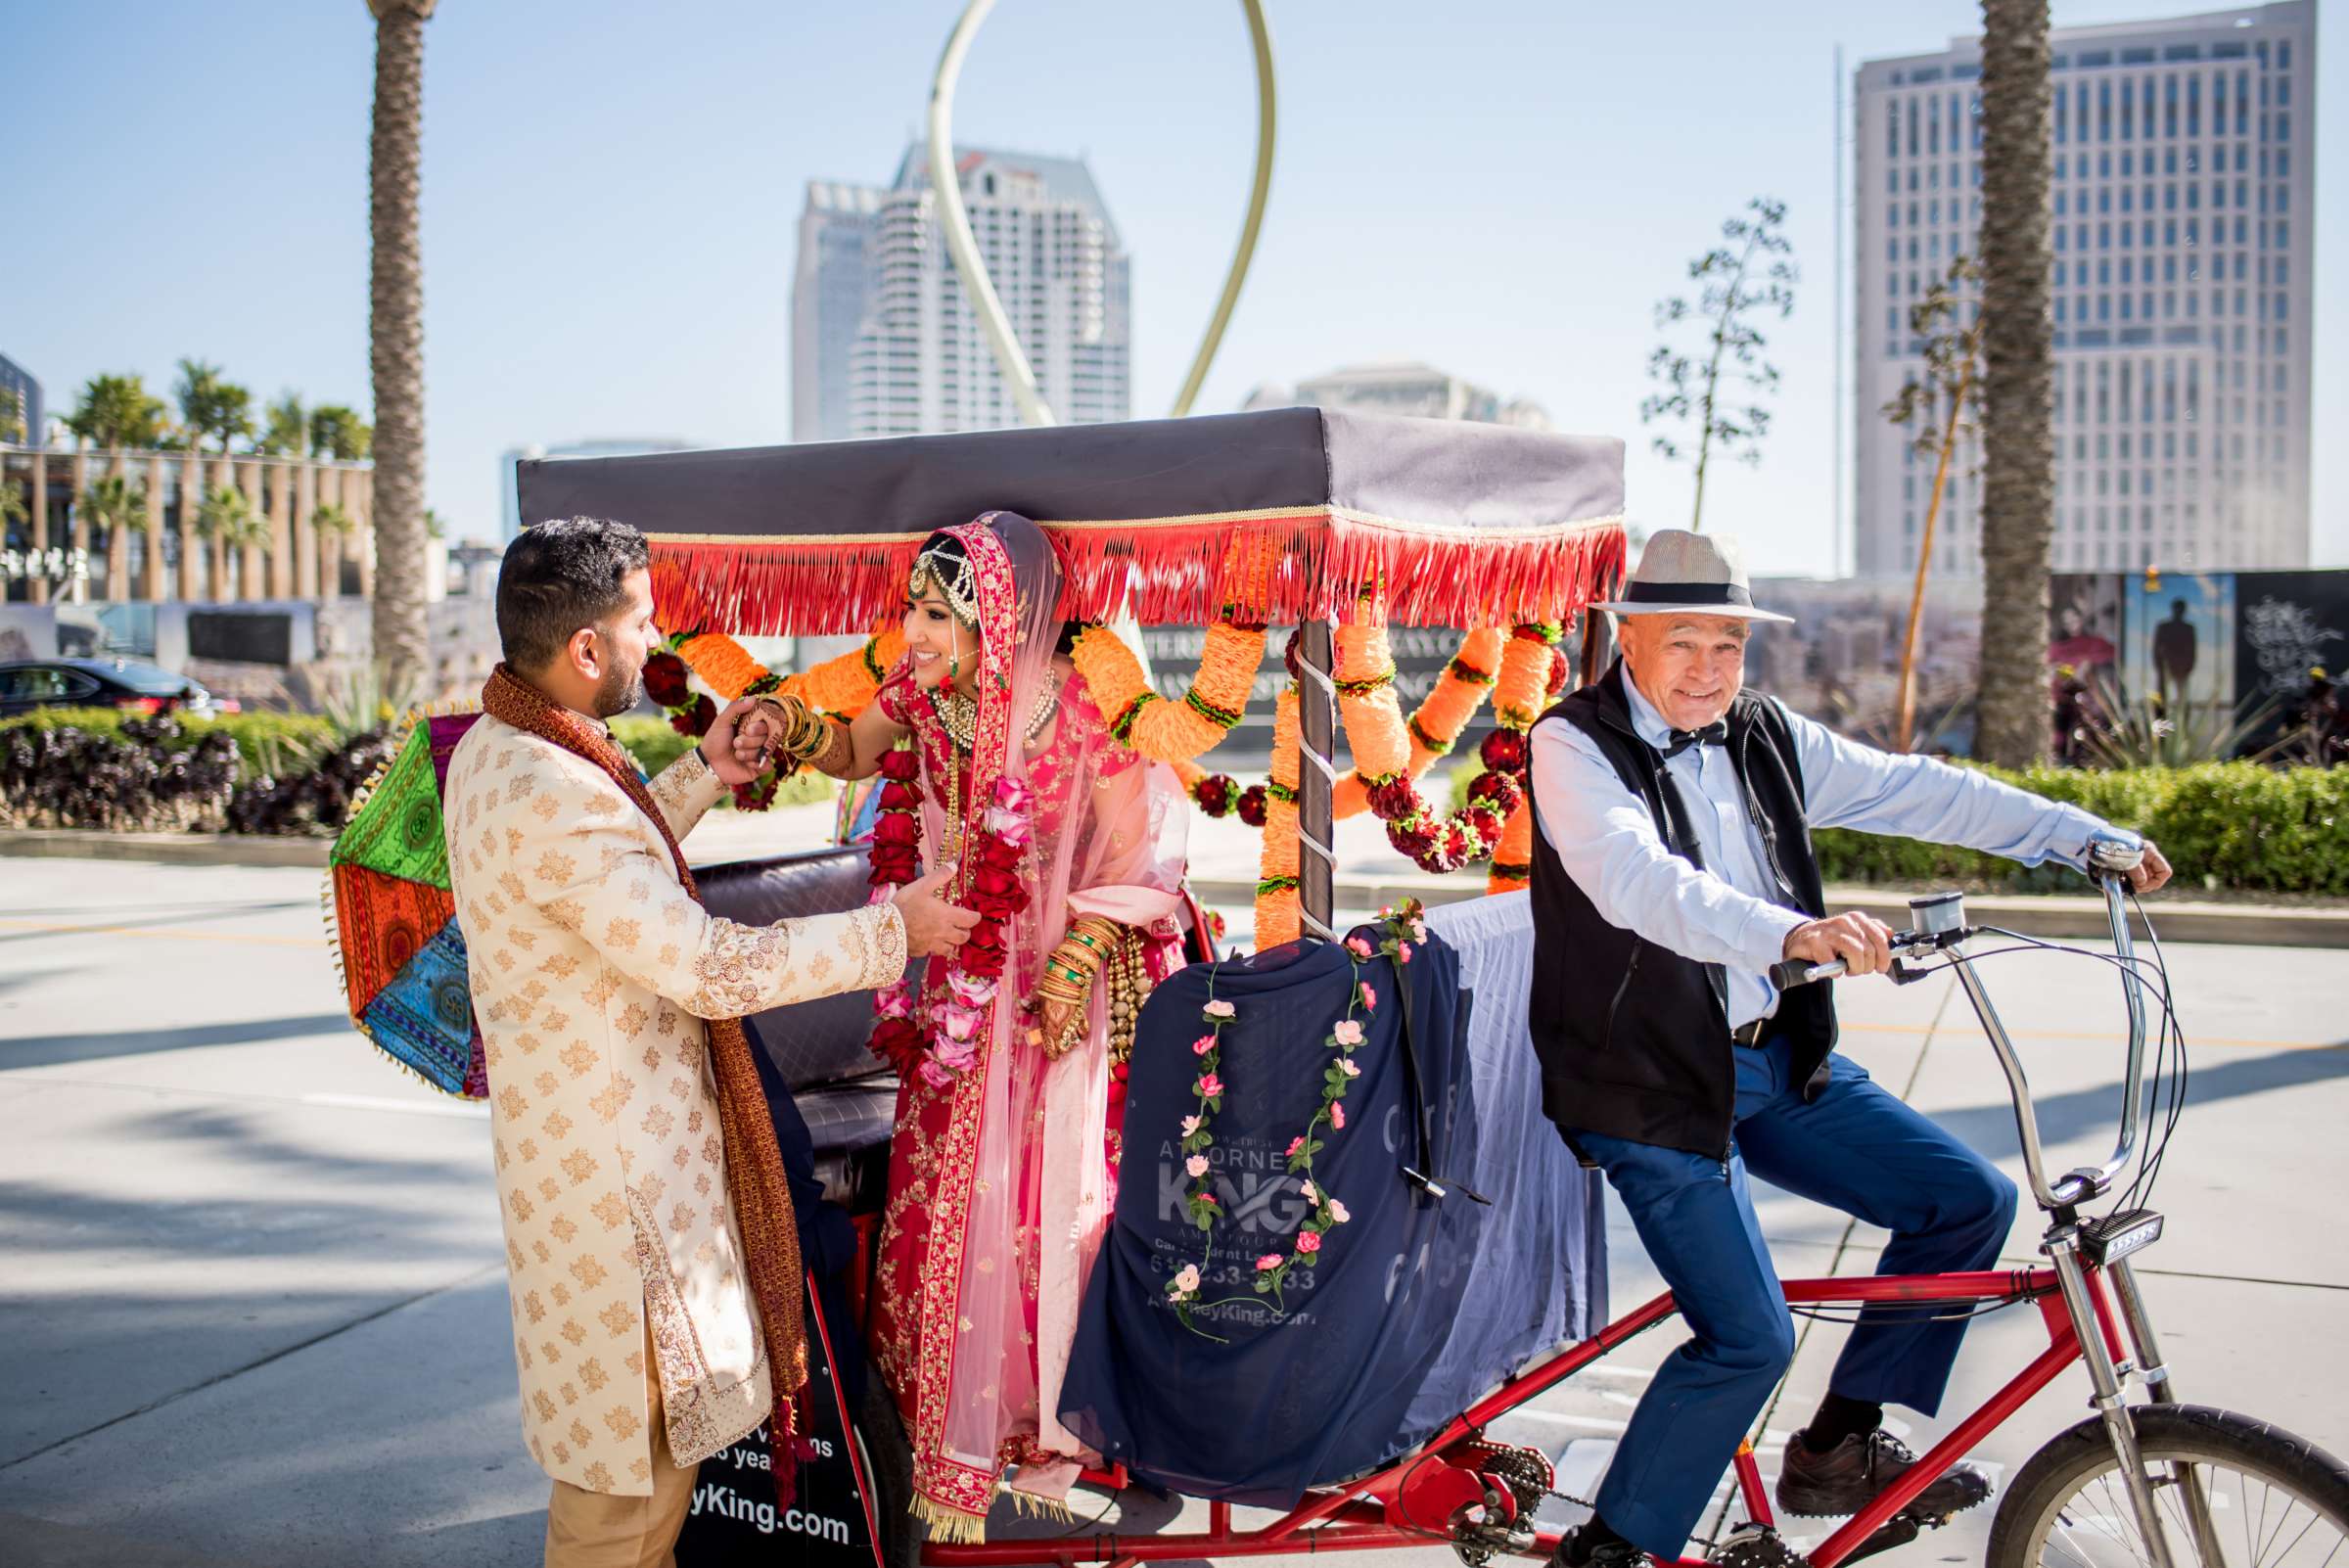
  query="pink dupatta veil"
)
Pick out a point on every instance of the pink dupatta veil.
point(1021, 1188)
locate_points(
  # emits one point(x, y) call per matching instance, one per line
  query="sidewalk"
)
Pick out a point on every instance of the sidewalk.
point(255, 1300)
point(1224, 867)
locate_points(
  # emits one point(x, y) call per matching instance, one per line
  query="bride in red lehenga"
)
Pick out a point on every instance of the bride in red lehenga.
point(1004, 1166)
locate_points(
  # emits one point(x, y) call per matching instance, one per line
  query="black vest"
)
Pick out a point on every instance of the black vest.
point(1634, 1038)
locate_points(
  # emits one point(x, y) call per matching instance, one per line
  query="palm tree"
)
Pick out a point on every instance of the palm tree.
point(118, 503)
point(284, 428)
point(212, 405)
point(333, 525)
point(337, 433)
point(228, 519)
point(2018, 444)
point(395, 337)
point(118, 411)
point(12, 414)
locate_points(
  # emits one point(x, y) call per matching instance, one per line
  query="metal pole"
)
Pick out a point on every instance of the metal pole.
point(1316, 778)
point(1598, 644)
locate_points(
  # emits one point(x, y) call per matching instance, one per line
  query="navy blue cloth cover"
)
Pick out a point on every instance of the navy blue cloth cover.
point(1375, 1336)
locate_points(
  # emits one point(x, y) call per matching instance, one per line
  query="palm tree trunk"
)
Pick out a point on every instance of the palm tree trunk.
point(78, 591)
point(2019, 468)
point(157, 477)
point(395, 337)
point(191, 541)
point(117, 542)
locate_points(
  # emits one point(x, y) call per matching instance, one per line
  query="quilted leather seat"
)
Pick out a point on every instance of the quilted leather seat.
point(847, 1099)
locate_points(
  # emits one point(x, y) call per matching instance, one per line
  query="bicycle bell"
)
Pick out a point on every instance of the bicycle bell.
point(2114, 850)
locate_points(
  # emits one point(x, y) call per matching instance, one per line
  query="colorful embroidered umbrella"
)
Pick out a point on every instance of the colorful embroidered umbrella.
point(396, 941)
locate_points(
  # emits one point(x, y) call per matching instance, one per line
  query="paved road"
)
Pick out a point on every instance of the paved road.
point(253, 1308)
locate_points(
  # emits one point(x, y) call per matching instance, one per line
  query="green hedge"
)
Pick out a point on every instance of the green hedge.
point(2234, 825)
point(255, 733)
point(655, 744)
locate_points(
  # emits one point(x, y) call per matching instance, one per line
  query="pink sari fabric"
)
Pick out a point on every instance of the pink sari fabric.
point(1002, 1181)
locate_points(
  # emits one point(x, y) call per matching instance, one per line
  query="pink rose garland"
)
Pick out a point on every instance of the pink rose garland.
point(958, 1022)
point(1400, 929)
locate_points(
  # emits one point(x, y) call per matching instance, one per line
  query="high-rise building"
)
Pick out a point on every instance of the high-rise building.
point(2181, 196)
point(884, 341)
point(27, 402)
point(1406, 387)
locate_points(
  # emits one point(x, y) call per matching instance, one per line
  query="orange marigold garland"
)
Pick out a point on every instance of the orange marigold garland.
point(844, 685)
point(1383, 753)
point(1164, 730)
point(841, 686)
point(1435, 727)
point(1276, 919)
point(1513, 857)
point(1533, 673)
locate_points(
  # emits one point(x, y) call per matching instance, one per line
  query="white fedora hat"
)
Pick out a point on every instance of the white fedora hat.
point(1690, 574)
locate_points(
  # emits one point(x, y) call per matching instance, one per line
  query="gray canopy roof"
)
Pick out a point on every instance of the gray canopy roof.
point(1285, 512)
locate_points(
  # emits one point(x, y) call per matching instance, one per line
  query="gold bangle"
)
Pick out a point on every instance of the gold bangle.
point(1072, 957)
point(1098, 927)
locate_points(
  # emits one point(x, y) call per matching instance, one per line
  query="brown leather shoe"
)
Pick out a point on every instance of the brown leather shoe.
point(1848, 1476)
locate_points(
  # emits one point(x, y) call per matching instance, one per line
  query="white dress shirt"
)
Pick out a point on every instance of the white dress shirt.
point(1606, 840)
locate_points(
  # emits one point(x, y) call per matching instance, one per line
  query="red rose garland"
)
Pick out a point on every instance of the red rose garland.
point(959, 1021)
point(896, 856)
point(667, 682)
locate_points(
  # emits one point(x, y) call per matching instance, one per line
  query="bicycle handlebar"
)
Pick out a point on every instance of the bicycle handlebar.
point(2112, 853)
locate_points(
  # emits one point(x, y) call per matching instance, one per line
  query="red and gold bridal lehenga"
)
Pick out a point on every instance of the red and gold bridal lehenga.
point(1003, 1176)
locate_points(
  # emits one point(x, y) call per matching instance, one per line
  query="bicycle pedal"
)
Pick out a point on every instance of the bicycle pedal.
point(1753, 1545)
point(1897, 1531)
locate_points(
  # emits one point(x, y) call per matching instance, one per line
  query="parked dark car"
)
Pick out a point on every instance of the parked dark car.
point(29, 683)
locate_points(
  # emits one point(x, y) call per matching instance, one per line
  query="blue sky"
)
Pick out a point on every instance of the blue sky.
point(611, 193)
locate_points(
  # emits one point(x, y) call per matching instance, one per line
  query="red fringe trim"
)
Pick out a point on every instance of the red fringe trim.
point(1279, 570)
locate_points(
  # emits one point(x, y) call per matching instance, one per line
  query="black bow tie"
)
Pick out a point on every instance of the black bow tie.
point(1716, 733)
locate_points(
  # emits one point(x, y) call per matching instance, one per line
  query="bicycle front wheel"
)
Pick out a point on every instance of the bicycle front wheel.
point(2232, 1493)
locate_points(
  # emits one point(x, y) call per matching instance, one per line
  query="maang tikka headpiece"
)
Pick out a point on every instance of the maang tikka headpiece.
point(953, 576)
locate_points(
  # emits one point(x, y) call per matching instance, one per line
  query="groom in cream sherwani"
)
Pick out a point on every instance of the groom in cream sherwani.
point(626, 1191)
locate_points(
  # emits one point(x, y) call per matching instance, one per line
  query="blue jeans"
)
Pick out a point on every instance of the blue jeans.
point(1855, 1147)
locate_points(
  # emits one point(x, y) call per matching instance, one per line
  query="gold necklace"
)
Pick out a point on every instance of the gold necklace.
point(960, 716)
point(950, 854)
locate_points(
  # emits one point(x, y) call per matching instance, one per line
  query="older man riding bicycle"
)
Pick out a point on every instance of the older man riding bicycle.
point(1674, 857)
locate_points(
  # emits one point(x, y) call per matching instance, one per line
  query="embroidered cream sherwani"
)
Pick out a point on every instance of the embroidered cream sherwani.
point(591, 968)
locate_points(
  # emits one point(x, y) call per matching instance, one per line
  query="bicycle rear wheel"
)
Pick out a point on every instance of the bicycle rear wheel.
point(2273, 1501)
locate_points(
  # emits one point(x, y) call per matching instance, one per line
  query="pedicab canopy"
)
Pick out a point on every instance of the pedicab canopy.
point(1286, 512)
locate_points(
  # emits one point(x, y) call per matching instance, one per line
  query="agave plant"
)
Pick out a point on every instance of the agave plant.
point(369, 699)
point(2117, 731)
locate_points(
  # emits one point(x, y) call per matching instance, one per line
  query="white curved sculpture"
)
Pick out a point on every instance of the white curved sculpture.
point(963, 247)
